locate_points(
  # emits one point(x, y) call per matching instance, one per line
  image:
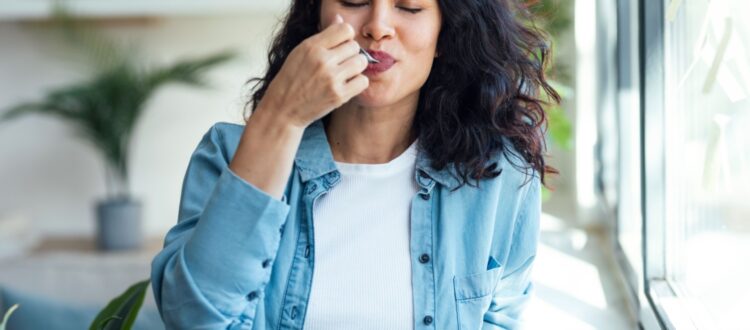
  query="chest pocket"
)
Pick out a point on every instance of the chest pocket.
point(473, 296)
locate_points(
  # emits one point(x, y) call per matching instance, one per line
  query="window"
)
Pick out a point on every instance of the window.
point(629, 227)
point(707, 159)
point(683, 135)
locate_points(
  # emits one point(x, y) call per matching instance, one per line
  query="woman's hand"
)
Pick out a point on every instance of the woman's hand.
point(319, 75)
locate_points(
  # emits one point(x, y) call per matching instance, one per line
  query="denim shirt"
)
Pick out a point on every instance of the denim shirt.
point(239, 258)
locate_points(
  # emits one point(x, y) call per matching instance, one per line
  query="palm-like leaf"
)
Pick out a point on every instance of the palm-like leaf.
point(4, 322)
point(189, 72)
point(98, 51)
point(106, 108)
point(121, 312)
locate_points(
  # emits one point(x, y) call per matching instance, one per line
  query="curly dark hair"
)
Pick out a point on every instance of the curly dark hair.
point(488, 82)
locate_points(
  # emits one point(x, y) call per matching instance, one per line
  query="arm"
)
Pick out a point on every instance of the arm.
point(213, 259)
point(515, 287)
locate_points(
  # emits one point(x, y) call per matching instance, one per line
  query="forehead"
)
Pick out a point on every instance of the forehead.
point(419, 2)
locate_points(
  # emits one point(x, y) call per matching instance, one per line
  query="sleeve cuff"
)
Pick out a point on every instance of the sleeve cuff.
point(237, 231)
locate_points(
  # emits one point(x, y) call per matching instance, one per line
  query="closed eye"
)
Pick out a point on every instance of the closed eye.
point(362, 4)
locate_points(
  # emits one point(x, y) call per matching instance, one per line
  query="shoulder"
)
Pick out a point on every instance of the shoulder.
point(225, 132)
point(516, 171)
point(221, 139)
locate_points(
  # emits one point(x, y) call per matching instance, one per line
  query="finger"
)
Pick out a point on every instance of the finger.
point(336, 19)
point(352, 67)
point(356, 85)
point(343, 52)
point(335, 34)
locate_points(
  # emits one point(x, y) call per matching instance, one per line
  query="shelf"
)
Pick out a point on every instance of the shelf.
point(21, 10)
point(87, 245)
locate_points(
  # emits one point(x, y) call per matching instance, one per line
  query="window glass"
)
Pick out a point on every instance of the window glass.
point(707, 158)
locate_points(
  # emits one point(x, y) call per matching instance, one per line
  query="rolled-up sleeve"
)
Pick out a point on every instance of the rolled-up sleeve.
point(514, 289)
point(216, 259)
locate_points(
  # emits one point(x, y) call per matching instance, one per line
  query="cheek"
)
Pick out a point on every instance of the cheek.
point(420, 44)
point(327, 14)
point(420, 41)
point(421, 53)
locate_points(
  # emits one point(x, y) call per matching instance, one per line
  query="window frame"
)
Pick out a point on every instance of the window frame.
point(660, 303)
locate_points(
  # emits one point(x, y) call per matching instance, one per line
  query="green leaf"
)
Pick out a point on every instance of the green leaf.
point(105, 108)
point(189, 72)
point(99, 51)
point(7, 316)
point(560, 128)
point(21, 109)
point(546, 194)
point(554, 15)
point(121, 312)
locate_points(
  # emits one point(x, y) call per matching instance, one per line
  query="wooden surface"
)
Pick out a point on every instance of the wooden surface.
point(73, 270)
point(87, 245)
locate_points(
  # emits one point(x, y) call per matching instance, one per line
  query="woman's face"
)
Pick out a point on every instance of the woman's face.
point(407, 30)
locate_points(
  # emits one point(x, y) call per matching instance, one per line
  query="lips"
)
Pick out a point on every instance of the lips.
point(386, 62)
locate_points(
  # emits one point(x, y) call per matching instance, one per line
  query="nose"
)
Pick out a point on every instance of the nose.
point(378, 25)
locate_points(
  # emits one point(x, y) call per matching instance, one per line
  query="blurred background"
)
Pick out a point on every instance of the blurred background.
point(647, 226)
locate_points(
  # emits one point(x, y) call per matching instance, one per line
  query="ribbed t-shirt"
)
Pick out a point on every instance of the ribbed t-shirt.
point(362, 274)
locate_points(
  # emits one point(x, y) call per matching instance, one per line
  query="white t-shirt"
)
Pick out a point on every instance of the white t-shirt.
point(362, 275)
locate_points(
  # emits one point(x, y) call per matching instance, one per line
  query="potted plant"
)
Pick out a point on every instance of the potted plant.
point(105, 109)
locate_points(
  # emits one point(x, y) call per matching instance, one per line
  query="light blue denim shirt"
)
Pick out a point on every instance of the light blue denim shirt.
point(240, 259)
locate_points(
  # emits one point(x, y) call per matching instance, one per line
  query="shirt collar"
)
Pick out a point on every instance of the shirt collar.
point(314, 158)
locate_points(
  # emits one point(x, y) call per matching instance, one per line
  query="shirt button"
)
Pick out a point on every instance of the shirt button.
point(294, 313)
point(266, 263)
point(427, 320)
point(252, 295)
point(424, 258)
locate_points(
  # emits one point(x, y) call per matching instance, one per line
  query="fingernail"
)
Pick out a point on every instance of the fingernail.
point(339, 19)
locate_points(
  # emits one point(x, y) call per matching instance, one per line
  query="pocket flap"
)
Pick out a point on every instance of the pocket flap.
point(476, 285)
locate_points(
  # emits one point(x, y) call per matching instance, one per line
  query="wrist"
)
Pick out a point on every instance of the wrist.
point(277, 115)
point(272, 122)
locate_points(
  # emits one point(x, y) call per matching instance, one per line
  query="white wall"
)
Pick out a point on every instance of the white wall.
point(54, 179)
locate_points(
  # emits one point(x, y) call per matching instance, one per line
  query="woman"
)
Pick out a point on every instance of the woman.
point(398, 195)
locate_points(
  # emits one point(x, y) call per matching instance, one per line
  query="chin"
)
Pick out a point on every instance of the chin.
point(368, 100)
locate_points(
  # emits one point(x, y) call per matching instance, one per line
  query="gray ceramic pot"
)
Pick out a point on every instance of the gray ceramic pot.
point(119, 224)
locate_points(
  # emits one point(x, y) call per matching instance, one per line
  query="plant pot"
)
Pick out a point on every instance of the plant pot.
point(119, 224)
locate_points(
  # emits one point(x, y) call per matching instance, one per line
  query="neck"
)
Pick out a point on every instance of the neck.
point(364, 135)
